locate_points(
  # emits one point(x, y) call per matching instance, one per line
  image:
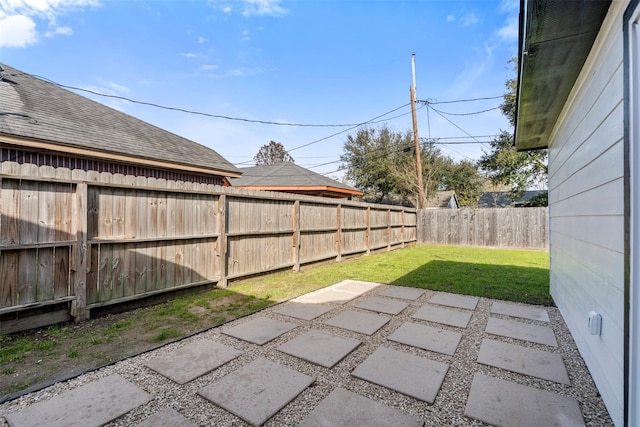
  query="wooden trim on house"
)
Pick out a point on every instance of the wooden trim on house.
point(84, 152)
point(305, 189)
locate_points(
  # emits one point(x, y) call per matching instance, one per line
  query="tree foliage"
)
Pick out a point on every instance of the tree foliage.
point(503, 164)
point(382, 164)
point(272, 153)
point(371, 158)
point(465, 179)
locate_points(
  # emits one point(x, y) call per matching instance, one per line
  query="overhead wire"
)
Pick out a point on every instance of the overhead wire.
point(455, 125)
point(460, 100)
point(351, 126)
point(200, 113)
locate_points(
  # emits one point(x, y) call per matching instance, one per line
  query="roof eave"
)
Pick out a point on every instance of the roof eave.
point(555, 40)
point(301, 188)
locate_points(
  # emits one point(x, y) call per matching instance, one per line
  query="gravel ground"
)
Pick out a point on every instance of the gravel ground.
point(447, 410)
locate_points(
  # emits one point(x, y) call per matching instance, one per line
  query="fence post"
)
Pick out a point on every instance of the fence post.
point(402, 237)
point(368, 233)
point(221, 247)
point(339, 232)
point(296, 235)
point(388, 229)
point(80, 213)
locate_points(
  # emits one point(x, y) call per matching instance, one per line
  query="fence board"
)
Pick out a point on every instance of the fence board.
point(9, 273)
point(504, 227)
point(27, 276)
point(100, 238)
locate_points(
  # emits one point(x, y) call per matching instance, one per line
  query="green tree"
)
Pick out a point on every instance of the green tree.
point(503, 164)
point(370, 157)
point(382, 164)
point(272, 153)
point(464, 178)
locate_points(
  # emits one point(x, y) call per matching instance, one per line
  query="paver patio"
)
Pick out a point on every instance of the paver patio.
point(337, 363)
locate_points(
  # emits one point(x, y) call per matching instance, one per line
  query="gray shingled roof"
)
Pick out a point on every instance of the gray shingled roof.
point(499, 199)
point(442, 199)
point(285, 174)
point(33, 108)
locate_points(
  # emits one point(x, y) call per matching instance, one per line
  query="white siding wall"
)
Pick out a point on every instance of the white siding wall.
point(586, 211)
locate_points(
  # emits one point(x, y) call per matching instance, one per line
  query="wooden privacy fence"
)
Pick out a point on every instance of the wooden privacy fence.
point(92, 239)
point(500, 227)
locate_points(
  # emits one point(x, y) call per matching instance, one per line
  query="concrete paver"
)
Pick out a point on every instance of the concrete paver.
point(358, 287)
point(432, 313)
point(523, 360)
point(320, 348)
point(302, 311)
point(523, 311)
point(455, 300)
point(192, 361)
point(166, 418)
point(259, 388)
point(427, 338)
point(383, 305)
point(92, 404)
point(362, 323)
point(343, 408)
point(521, 331)
point(507, 404)
point(415, 376)
point(340, 293)
point(260, 330)
point(257, 391)
point(402, 292)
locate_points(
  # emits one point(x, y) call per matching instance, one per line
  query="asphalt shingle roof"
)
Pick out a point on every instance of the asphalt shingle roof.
point(285, 174)
point(33, 108)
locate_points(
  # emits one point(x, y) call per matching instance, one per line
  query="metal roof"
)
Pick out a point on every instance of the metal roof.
point(556, 37)
point(32, 109)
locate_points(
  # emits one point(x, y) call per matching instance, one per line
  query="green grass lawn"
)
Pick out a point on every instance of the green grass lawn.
point(36, 357)
point(506, 274)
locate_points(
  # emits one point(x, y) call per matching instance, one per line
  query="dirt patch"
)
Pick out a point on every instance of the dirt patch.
point(35, 359)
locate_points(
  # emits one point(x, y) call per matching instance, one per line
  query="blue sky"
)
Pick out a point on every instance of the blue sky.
point(307, 62)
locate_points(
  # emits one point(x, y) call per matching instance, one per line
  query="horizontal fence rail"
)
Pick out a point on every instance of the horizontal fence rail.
point(91, 239)
point(499, 227)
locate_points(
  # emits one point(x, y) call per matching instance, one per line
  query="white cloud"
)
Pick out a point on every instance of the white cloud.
point(246, 36)
point(202, 40)
point(18, 26)
point(509, 6)
point(263, 8)
point(451, 18)
point(59, 31)
point(17, 31)
point(469, 19)
point(509, 31)
point(107, 88)
point(474, 69)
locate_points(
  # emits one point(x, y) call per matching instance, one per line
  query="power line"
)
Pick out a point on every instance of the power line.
point(467, 114)
point(347, 130)
point(199, 113)
point(447, 119)
point(459, 100)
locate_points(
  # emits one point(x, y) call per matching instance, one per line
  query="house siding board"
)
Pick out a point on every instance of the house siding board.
point(586, 213)
point(577, 126)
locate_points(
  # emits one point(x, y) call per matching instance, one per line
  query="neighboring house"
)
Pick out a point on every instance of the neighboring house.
point(500, 199)
point(443, 200)
point(45, 125)
point(287, 177)
point(579, 96)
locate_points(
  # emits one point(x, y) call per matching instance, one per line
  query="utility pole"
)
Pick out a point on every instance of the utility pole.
point(421, 197)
